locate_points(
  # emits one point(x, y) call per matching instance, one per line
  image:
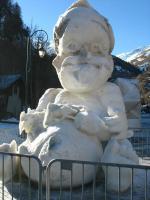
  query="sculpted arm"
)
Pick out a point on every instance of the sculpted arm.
point(32, 121)
point(115, 121)
point(91, 124)
point(48, 97)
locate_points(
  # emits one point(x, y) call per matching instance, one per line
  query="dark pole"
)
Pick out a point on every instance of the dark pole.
point(28, 69)
point(26, 75)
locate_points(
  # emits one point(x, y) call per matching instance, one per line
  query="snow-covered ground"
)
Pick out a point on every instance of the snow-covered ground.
point(9, 132)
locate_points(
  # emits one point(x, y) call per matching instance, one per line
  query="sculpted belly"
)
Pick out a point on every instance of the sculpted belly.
point(63, 141)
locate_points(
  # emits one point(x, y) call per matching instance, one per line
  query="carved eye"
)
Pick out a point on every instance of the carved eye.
point(73, 47)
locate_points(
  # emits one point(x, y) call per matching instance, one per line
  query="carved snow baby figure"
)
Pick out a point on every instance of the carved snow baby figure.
point(88, 109)
point(83, 42)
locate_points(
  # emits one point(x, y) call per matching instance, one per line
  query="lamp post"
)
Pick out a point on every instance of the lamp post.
point(36, 40)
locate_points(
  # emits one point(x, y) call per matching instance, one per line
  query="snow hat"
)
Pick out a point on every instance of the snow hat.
point(81, 13)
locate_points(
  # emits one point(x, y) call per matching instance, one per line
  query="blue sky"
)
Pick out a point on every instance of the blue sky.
point(130, 19)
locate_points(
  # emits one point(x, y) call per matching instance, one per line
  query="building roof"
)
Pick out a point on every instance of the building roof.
point(7, 80)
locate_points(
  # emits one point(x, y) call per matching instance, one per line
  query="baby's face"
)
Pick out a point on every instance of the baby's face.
point(83, 63)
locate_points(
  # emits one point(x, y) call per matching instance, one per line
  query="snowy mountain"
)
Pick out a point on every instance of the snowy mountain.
point(124, 69)
point(139, 57)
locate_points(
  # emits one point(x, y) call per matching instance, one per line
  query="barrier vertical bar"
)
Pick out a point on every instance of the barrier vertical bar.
point(82, 193)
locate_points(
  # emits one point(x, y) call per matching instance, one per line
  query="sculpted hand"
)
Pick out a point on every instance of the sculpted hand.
point(113, 123)
point(117, 126)
point(90, 123)
point(59, 112)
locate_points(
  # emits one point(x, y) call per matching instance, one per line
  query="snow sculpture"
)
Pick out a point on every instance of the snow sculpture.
point(70, 123)
point(131, 95)
point(121, 152)
point(31, 123)
point(7, 164)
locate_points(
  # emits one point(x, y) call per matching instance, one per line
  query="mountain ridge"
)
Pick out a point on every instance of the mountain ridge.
point(139, 57)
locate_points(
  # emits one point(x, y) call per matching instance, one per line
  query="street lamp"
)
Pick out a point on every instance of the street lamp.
point(36, 40)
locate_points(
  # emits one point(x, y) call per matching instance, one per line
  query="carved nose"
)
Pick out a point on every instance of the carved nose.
point(83, 52)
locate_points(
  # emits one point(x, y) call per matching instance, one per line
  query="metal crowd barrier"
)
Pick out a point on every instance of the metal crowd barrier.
point(22, 187)
point(98, 188)
point(14, 185)
point(141, 142)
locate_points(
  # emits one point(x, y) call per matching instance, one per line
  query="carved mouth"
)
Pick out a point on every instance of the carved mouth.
point(69, 63)
point(80, 64)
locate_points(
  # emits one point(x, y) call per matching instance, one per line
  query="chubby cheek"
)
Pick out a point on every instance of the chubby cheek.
point(65, 76)
point(57, 62)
